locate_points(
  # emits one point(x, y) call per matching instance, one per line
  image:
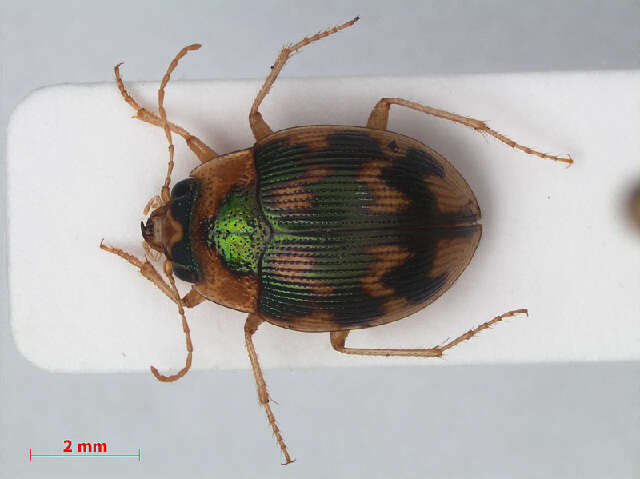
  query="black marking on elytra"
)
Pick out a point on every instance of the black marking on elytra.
point(424, 163)
point(353, 142)
point(412, 280)
point(407, 174)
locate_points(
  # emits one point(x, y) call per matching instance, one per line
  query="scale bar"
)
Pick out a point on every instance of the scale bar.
point(32, 455)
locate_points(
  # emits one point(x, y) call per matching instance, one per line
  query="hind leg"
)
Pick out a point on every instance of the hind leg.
point(338, 339)
point(380, 115)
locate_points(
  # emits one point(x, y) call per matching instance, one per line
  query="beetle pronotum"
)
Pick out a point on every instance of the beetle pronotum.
point(316, 228)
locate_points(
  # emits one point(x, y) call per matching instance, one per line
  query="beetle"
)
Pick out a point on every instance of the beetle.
point(313, 228)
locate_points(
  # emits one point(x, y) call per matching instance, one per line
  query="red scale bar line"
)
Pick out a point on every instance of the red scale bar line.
point(84, 455)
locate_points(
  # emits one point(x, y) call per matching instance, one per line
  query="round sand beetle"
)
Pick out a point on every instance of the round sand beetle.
point(313, 228)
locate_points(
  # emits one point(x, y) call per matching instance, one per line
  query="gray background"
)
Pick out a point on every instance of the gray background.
point(552, 420)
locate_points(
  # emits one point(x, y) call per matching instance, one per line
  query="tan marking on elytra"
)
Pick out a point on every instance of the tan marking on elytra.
point(291, 261)
point(315, 138)
point(293, 194)
point(387, 258)
point(316, 321)
point(395, 304)
point(452, 254)
point(310, 139)
point(319, 315)
point(387, 199)
point(290, 198)
point(323, 289)
point(293, 265)
point(450, 196)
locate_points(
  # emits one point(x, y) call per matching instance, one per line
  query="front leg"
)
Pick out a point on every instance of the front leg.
point(197, 146)
point(191, 299)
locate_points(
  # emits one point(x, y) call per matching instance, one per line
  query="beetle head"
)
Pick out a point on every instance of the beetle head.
point(168, 230)
point(154, 231)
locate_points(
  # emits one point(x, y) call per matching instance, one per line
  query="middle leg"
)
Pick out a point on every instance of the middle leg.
point(250, 327)
point(259, 127)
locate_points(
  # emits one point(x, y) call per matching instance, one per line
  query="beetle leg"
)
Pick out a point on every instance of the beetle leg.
point(151, 273)
point(338, 339)
point(146, 269)
point(168, 271)
point(190, 300)
point(152, 204)
point(250, 327)
point(165, 192)
point(199, 148)
point(380, 115)
point(259, 127)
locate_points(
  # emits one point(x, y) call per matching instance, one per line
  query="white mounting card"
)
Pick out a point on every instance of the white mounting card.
point(558, 241)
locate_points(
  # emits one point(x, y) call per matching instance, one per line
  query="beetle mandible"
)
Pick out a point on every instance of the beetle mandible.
point(313, 228)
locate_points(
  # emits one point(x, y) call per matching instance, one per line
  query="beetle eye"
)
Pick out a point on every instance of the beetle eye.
point(183, 188)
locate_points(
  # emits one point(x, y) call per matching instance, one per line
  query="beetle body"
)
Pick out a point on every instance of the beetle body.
point(314, 228)
point(324, 228)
